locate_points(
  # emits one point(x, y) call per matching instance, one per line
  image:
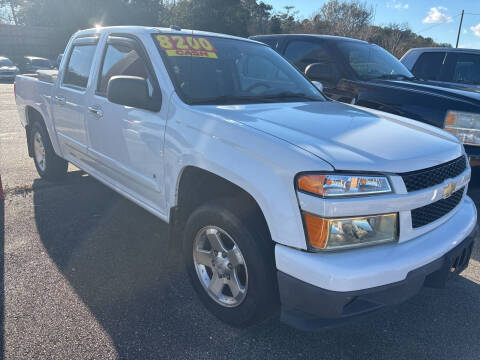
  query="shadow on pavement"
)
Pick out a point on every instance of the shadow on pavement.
point(116, 257)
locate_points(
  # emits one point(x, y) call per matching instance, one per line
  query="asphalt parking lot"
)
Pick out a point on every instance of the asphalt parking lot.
point(89, 275)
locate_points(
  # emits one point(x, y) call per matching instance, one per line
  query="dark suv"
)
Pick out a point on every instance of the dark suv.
point(365, 74)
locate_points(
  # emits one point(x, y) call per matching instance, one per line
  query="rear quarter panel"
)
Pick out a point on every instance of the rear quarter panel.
point(36, 94)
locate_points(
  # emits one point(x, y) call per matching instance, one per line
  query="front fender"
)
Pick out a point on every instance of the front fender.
point(262, 165)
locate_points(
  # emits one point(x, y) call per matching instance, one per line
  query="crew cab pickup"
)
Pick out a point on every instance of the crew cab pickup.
point(277, 197)
point(361, 73)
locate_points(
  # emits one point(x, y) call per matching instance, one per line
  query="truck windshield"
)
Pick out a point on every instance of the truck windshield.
point(370, 61)
point(212, 70)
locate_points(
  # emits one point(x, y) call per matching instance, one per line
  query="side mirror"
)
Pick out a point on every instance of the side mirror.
point(318, 85)
point(321, 72)
point(129, 91)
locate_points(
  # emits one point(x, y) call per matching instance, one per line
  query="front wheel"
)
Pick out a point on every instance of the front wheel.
point(230, 263)
point(49, 165)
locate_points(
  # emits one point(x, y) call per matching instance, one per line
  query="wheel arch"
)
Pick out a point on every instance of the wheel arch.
point(32, 115)
point(196, 186)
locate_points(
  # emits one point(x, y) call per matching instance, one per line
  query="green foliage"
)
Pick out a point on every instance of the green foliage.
point(350, 18)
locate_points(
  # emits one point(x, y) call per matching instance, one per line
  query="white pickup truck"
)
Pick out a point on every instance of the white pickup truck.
point(278, 197)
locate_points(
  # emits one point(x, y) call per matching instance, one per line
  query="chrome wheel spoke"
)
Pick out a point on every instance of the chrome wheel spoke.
point(204, 257)
point(213, 236)
point(235, 256)
point(236, 288)
point(216, 285)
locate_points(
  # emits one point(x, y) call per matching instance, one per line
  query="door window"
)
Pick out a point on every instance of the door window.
point(467, 69)
point(304, 53)
point(429, 65)
point(122, 59)
point(79, 65)
point(272, 42)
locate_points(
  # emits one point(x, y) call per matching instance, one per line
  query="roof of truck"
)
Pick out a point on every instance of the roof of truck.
point(446, 49)
point(316, 36)
point(154, 30)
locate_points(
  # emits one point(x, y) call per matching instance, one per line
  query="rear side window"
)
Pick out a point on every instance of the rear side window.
point(467, 69)
point(79, 65)
point(429, 66)
point(122, 59)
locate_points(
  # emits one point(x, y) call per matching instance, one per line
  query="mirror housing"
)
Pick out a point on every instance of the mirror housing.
point(130, 91)
point(321, 72)
point(318, 85)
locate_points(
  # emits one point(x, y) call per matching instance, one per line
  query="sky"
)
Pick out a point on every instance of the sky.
point(438, 19)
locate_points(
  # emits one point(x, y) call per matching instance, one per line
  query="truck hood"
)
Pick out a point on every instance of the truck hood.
point(346, 136)
point(472, 97)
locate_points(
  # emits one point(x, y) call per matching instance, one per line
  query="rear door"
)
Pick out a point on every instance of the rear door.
point(126, 144)
point(69, 103)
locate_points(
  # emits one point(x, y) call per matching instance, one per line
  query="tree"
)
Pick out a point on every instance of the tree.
point(350, 18)
point(275, 25)
point(10, 9)
point(286, 21)
point(342, 18)
point(259, 15)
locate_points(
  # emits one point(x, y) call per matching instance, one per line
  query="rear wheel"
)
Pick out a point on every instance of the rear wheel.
point(49, 165)
point(230, 263)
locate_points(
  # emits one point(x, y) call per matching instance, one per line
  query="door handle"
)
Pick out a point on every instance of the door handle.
point(60, 99)
point(95, 111)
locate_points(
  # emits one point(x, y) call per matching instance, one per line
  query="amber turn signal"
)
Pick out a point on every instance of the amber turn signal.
point(312, 183)
point(317, 230)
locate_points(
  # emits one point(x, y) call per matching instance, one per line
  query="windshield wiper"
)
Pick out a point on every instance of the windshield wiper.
point(228, 100)
point(396, 77)
point(287, 95)
point(268, 98)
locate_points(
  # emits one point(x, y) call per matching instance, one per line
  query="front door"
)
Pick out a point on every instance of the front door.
point(126, 144)
point(69, 102)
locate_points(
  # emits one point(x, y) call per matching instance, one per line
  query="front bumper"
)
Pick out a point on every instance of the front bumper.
point(308, 307)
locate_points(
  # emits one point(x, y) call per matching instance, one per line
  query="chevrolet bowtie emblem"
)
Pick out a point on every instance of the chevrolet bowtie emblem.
point(448, 190)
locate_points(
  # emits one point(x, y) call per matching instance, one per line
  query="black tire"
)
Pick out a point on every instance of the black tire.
point(54, 168)
point(251, 236)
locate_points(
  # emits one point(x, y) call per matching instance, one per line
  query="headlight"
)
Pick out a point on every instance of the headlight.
point(464, 125)
point(335, 234)
point(343, 185)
